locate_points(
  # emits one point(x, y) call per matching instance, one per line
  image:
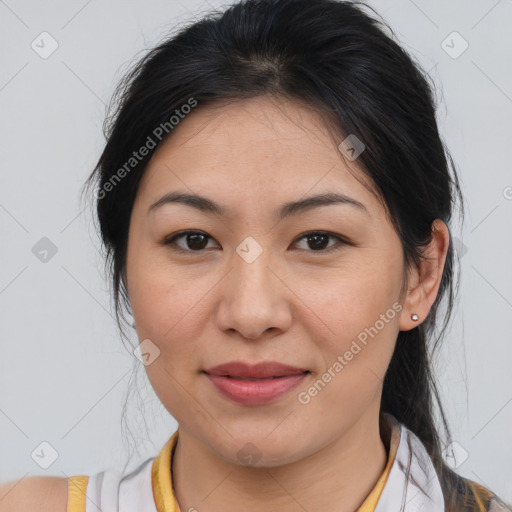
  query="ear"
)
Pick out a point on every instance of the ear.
point(424, 281)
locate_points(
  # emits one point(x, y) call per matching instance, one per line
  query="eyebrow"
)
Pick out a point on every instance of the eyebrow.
point(292, 208)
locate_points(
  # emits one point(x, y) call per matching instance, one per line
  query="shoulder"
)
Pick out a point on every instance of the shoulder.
point(45, 494)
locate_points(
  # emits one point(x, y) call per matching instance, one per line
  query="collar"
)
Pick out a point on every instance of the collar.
point(409, 482)
point(412, 484)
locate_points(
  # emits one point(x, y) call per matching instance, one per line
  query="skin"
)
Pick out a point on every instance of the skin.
point(294, 303)
point(41, 493)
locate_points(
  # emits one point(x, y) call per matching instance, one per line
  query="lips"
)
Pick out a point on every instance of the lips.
point(264, 370)
point(257, 384)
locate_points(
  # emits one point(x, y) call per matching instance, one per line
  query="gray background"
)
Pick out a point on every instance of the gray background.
point(64, 372)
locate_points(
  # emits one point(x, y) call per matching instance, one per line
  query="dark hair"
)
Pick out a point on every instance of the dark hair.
point(338, 60)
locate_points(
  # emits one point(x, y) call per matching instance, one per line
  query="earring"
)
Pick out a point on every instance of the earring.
point(133, 325)
point(414, 317)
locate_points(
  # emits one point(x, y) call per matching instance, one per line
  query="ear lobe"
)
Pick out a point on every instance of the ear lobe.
point(425, 280)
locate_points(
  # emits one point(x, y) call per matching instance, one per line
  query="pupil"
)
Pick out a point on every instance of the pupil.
point(315, 240)
point(196, 236)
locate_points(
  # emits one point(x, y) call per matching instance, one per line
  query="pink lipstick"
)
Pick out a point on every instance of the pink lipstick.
point(256, 384)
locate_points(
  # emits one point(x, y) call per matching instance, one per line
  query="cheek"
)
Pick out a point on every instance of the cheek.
point(152, 288)
point(150, 294)
point(357, 318)
point(164, 313)
point(347, 303)
point(355, 350)
point(167, 308)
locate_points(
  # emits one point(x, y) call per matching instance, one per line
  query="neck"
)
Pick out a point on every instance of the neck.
point(337, 478)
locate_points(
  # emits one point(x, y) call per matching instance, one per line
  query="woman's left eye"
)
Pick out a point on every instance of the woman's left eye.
point(316, 239)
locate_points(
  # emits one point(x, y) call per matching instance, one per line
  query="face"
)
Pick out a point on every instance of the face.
point(317, 288)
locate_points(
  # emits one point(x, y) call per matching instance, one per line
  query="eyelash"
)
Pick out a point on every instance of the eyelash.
point(171, 241)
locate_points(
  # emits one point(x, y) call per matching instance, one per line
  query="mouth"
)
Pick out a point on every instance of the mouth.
point(255, 384)
point(254, 379)
point(263, 370)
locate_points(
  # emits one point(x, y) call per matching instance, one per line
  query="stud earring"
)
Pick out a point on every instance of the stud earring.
point(414, 317)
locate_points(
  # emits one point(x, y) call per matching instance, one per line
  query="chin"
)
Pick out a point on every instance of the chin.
point(259, 451)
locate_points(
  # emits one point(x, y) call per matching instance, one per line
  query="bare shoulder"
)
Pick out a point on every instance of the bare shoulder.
point(46, 494)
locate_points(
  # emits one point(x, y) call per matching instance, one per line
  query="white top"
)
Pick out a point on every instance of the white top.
point(108, 491)
point(411, 485)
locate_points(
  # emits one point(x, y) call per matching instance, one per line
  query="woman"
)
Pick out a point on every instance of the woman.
point(275, 200)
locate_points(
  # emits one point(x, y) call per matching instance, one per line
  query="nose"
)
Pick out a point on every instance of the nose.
point(253, 299)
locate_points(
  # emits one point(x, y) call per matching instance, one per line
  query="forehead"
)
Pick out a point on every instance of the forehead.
point(253, 150)
point(269, 116)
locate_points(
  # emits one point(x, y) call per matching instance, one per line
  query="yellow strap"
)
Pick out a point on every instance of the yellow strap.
point(77, 486)
point(161, 477)
point(372, 499)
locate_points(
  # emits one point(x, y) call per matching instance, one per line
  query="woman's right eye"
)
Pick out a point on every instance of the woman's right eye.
point(195, 241)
